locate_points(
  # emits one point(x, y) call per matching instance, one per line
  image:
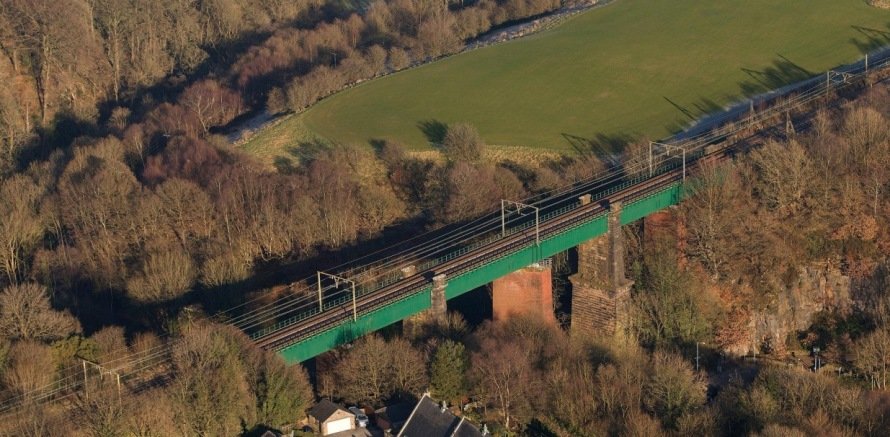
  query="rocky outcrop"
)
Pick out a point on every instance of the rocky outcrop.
point(818, 288)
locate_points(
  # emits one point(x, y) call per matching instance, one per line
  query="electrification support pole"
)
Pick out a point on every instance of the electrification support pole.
point(85, 392)
point(102, 372)
point(320, 304)
point(684, 163)
point(866, 63)
point(503, 221)
point(119, 400)
point(354, 309)
point(337, 281)
point(650, 159)
point(653, 152)
point(696, 356)
point(670, 148)
point(519, 206)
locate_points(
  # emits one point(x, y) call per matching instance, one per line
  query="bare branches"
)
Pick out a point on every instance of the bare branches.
point(26, 313)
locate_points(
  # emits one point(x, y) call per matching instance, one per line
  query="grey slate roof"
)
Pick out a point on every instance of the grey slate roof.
point(324, 409)
point(428, 420)
point(396, 414)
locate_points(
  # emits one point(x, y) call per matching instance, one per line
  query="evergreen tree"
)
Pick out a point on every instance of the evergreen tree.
point(448, 370)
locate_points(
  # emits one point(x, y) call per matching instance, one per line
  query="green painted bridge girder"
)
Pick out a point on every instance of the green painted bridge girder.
point(457, 285)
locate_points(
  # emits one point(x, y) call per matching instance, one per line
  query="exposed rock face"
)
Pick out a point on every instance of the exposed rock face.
point(883, 4)
point(818, 288)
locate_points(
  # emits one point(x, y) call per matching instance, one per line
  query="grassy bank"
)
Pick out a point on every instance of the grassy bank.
point(635, 68)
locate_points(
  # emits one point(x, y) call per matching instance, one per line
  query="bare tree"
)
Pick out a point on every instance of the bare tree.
point(211, 394)
point(462, 143)
point(25, 221)
point(26, 313)
point(29, 369)
point(505, 378)
point(167, 273)
point(784, 172)
point(408, 368)
point(149, 414)
point(365, 374)
point(211, 103)
point(873, 357)
point(710, 216)
point(673, 388)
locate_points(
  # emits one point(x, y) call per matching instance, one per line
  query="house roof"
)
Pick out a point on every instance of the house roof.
point(429, 420)
point(466, 429)
point(396, 413)
point(323, 410)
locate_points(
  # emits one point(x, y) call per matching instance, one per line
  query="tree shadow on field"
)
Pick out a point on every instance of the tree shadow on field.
point(298, 155)
point(605, 147)
point(683, 110)
point(434, 130)
point(782, 72)
point(756, 92)
point(377, 144)
point(872, 39)
point(692, 114)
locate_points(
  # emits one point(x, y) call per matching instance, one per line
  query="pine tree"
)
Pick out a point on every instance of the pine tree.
point(449, 367)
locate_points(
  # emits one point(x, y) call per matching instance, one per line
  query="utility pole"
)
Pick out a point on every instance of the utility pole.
point(789, 125)
point(102, 372)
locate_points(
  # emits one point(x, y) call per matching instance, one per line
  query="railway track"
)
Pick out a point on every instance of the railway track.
point(714, 145)
point(485, 253)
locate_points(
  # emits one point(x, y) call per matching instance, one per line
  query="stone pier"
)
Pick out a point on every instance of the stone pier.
point(666, 227)
point(438, 310)
point(528, 291)
point(600, 291)
point(438, 306)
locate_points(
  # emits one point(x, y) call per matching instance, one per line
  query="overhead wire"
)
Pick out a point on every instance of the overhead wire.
point(700, 140)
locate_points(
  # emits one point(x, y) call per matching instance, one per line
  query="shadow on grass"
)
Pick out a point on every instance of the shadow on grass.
point(434, 130)
point(872, 39)
point(692, 114)
point(299, 155)
point(782, 72)
point(605, 147)
point(706, 113)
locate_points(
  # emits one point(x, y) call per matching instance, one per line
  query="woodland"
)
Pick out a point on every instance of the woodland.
point(126, 220)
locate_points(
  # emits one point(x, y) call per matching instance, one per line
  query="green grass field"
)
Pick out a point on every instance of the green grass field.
point(636, 68)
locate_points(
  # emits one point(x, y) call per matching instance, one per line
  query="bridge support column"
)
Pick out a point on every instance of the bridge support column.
point(666, 227)
point(528, 291)
point(600, 291)
point(438, 307)
point(438, 310)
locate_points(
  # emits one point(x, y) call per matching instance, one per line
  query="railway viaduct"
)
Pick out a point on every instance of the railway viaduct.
point(588, 219)
point(507, 249)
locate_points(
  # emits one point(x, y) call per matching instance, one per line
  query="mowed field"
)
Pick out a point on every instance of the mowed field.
point(635, 68)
